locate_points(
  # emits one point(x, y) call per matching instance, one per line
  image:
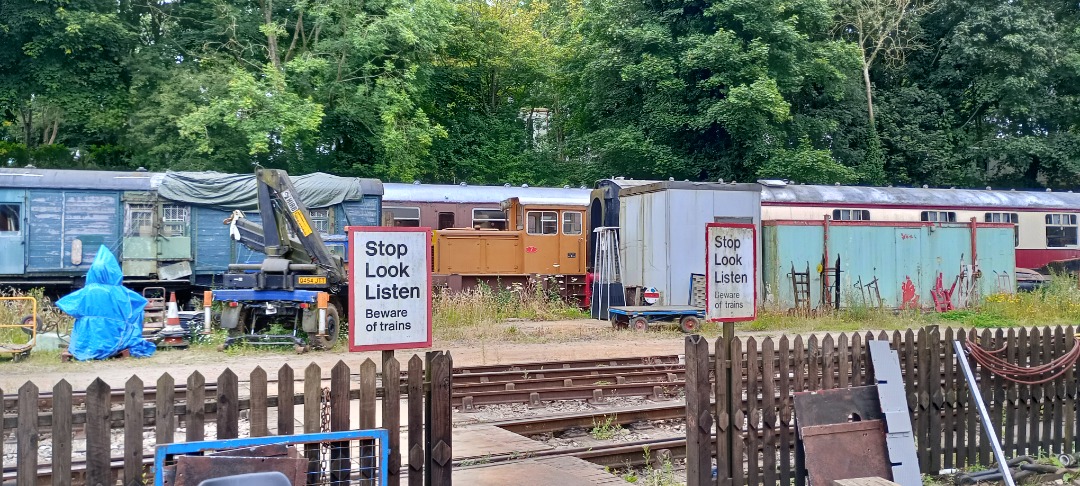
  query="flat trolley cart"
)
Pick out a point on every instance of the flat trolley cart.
point(639, 317)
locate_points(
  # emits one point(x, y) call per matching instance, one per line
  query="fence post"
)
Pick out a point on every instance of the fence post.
point(133, 430)
point(391, 414)
point(228, 406)
point(257, 414)
point(61, 431)
point(368, 390)
point(312, 422)
point(196, 409)
point(27, 445)
point(698, 419)
point(339, 420)
point(164, 418)
point(98, 439)
point(286, 392)
point(440, 455)
point(416, 421)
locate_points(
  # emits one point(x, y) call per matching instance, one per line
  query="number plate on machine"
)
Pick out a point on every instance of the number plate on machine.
point(311, 280)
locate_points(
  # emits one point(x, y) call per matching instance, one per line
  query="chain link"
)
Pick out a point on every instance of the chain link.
point(325, 427)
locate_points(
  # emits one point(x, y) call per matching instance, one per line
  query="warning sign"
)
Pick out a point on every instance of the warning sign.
point(389, 288)
point(731, 276)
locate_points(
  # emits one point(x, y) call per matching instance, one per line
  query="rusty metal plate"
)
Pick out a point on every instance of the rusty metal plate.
point(269, 450)
point(837, 406)
point(846, 451)
point(191, 470)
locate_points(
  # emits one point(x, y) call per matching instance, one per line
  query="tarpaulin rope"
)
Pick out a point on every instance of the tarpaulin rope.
point(1024, 375)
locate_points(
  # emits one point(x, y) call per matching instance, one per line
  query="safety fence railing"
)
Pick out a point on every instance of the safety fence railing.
point(753, 412)
point(100, 435)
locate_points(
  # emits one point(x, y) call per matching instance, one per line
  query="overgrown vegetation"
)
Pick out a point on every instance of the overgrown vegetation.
point(17, 313)
point(605, 429)
point(484, 311)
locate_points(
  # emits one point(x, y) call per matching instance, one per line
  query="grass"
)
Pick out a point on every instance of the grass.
point(12, 313)
point(475, 314)
point(605, 429)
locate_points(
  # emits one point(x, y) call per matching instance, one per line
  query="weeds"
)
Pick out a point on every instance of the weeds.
point(474, 314)
point(605, 429)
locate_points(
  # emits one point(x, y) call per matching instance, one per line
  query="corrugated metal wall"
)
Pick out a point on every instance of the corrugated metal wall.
point(892, 254)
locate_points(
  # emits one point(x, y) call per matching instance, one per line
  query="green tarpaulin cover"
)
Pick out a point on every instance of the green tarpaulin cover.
point(237, 191)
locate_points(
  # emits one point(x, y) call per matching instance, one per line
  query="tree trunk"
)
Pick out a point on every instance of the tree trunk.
point(869, 95)
point(271, 37)
point(55, 130)
point(27, 115)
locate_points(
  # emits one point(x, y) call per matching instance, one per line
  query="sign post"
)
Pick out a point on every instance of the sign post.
point(389, 288)
point(731, 272)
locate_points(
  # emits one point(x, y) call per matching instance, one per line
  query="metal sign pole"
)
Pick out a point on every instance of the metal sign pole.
point(988, 426)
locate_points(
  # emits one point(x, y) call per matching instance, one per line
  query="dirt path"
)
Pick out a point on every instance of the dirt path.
point(597, 341)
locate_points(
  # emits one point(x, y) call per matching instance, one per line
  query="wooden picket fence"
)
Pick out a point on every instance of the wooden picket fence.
point(96, 411)
point(754, 412)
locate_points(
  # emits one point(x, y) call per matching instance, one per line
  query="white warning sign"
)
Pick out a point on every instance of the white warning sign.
point(389, 288)
point(731, 276)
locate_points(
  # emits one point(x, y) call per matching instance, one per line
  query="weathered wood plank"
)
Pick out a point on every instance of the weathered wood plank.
point(986, 341)
point(313, 401)
point(391, 414)
point(698, 418)
point(1048, 395)
point(98, 439)
point(133, 432)
point(258, 413)
point(828, 355)
point(441, 423)
point(196, 415)
point(784, 430)
point(61, 433)
point(768, 407)
point(339, 420)
point(948, 364)
point(937, 397)
point(735, 404)
point(1012, 398)
point(722, 369)
point(26, 446)
point(753, 413)
point(164, 409)
point(416, 421)
point(228, 398)
point(286, 391)
point(1058, 418)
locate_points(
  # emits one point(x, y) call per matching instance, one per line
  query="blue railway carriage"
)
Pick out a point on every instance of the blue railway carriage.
point(165, 228)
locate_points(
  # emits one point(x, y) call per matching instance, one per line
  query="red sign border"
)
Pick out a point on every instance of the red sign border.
point(753, 233)
point(351, 232)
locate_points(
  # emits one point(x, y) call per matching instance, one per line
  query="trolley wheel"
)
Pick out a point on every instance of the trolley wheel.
point(333, 323)
point(689, 324)
point(27, 324)
point(639, 323)
point(615, 324)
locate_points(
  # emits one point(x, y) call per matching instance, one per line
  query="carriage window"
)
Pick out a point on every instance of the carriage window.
point(409, 217)
point(938, 216)
point(139, 220)
point(10, 218)
point(320, 220)
point(1060, 230)
point(543, 222)
point(571, 223)
point(489, 218)
point(175, 219)
point(851, 215)
point(1013, 218)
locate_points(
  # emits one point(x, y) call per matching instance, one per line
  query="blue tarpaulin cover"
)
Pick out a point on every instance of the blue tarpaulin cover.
point(108, 316)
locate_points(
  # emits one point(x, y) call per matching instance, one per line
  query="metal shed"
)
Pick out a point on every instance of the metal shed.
point(900, 261)
point(662, 228)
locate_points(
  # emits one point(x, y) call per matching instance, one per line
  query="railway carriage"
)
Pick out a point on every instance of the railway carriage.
point(1045, 223)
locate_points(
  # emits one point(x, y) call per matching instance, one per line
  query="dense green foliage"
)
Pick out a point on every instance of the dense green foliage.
point(940, 92)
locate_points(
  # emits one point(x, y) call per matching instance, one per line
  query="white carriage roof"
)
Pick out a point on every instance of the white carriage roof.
point(777, 192)
point(448, 193)
point(79, 179)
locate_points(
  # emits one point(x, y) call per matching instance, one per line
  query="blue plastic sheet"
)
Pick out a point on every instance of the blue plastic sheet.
point(108, 316)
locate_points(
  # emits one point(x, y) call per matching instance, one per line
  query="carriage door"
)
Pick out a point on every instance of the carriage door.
point(12, 252)
point(572, 243)
point(140, 236)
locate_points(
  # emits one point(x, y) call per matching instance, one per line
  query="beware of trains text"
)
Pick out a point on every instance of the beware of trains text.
point(390, 288)
point(731, 268)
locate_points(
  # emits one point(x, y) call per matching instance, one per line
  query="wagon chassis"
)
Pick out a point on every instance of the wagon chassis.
point(639, 317)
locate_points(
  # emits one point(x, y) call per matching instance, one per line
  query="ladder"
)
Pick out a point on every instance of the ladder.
point(830, 285)
point(800, 284)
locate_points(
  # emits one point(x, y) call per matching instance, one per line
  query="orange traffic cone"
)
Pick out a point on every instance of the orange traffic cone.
point(172, 315)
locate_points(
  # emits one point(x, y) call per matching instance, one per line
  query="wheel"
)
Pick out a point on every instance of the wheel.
point(689, 324)
point(27, 324)
point(300, 349)
point(332, 331)
point(639, 323)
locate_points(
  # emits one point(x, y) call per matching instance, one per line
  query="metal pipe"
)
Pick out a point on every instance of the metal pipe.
point(988, 426)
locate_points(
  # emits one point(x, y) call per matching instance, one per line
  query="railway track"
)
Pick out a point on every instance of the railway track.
point(534, 383)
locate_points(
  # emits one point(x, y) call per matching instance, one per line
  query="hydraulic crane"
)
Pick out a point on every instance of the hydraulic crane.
point(296, 284)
